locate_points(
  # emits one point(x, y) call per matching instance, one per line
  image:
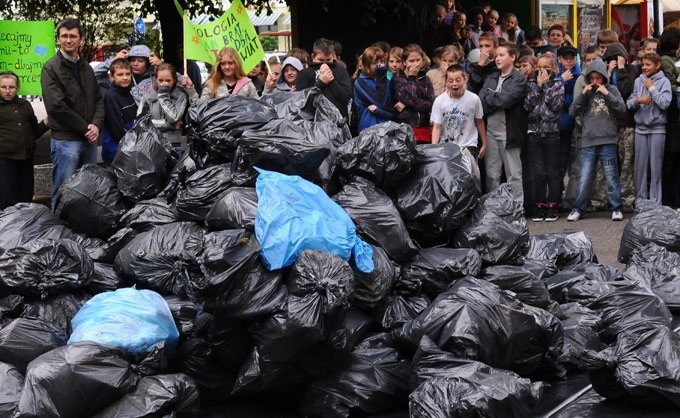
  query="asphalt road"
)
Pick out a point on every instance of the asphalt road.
point(604, 233)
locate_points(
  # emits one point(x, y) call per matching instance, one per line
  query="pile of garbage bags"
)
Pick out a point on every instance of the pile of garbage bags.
point(281, 260)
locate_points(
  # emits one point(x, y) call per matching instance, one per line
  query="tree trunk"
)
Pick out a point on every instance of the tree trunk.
point(171, 27)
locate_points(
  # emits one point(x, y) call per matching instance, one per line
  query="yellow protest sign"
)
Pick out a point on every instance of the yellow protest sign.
point(204, 41)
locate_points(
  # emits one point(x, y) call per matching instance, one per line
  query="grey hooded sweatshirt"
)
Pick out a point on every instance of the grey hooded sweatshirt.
point(598, 111)
point(651, 118)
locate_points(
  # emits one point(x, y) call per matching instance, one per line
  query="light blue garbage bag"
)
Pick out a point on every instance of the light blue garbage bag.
point(136, 320)
point(294, 215)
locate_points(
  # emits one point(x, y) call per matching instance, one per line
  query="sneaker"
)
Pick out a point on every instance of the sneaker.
point(539, 213)
point(574, 216)
point(551, 214)
point(617, 215)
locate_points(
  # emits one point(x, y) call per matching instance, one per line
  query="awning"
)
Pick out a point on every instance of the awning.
point(667, 5)
point(261, 20)
point(264, 20)
point(279, 33)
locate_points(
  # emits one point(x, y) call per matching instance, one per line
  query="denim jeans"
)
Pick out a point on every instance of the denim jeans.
point(609, 157)
point(67, 157)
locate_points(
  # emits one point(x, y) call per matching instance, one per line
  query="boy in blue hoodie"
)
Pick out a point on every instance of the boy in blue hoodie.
point(598, 105)
point(569, 72)
point(120, 108)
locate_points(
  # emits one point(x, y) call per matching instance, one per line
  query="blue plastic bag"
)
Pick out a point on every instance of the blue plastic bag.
point(294, 215)
point(136, 320)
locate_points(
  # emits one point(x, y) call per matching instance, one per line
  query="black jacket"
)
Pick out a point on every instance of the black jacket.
point(511, 99)
point(121, 110)
point(479, 74)
point(19, 129)
point(338, 91)
point(71, 104)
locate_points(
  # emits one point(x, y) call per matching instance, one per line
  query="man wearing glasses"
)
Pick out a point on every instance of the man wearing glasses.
point(74, 106)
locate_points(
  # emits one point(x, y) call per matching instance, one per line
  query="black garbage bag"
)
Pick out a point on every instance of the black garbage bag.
point(282, 146)
point(583, 283)
point(657, 270)
point(373, 380)
point(106, 251)
point(236, 208)
point(24, 339)
point(319, 287)
point(563, 249)
point(496, 228)
point(581, 328)
point(642, 368)
point(90, 202)
point(322, 281)
point(44, 267)
point(255, 293)
point(10, 307)
point(527, 287)
point(173, 395)
point(305, 105)
point(105, 279)
point(24, 222)
point(162, 259)
point(234, 283)
point(198, 359)
point(11, 384)
point(403, 304)
point(376, 218)
point(58, 310)
point(184, 168)
point(476, 320)
point(436, 268)
point(371, 288)
point(75, 380)
point(143, 161)
point(652, 224)
point(384, 154)
point(446, 386)
point(184, 312)
point(197, 195)
point(215, 125)
point(315, 356)
point(630, 311)
point(148, 213)
point(542, 269)
point(438, 192)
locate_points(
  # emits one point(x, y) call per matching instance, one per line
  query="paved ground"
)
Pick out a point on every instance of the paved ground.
point(602, 231)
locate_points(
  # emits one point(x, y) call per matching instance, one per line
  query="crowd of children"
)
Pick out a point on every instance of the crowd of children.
point(525, 104)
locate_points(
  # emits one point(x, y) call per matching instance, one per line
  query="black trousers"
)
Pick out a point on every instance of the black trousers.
point(16, 181)
point(543, 155)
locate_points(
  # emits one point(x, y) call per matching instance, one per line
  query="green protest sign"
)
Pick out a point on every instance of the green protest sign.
point(24, 48)
point(204, 41)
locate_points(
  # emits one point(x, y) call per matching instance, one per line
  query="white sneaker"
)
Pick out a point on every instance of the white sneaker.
point(617, 215)
point(574, 216)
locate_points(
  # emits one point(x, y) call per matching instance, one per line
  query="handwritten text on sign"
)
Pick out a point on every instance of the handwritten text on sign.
point(24, 49)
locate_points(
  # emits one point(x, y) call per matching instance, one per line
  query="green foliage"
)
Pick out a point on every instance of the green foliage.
point(104, 21)
point(269, 43)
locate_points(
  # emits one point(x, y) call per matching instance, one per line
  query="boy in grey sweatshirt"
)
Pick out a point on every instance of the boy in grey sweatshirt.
point(598, 106)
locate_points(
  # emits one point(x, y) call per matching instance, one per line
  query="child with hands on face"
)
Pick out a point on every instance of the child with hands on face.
point(545, 95)
point(598, 105)
point(414, 93)
point(167, 102)
point(650, 99)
